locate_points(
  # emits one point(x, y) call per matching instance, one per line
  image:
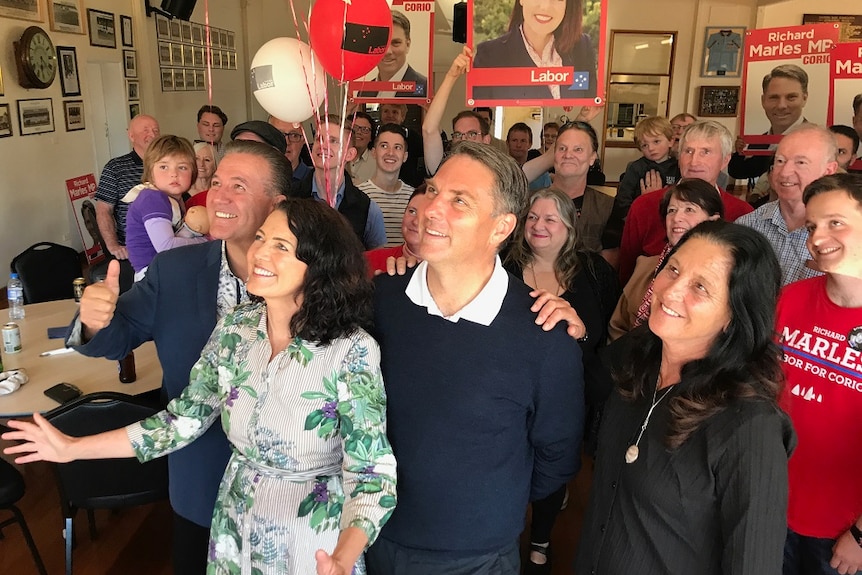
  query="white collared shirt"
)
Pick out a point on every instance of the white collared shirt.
point(549, 58)
point(397, 77)
point(483, 309)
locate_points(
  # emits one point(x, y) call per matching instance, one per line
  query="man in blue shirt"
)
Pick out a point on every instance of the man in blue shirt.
point(329, 182)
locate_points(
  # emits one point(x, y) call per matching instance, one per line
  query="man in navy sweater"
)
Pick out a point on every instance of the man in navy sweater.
point(485, 407)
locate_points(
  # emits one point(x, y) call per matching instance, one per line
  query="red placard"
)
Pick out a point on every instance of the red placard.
point(845, 75)
point(505, 74)
point(82, 194)
point(766, 116)
point(408, 85)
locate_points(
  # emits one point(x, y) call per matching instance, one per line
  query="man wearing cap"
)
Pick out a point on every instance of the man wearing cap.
point(260, 131)
point(330, 182)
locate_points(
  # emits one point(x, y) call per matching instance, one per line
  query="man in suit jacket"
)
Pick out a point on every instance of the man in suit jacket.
point(393, 67)
point(186, 290)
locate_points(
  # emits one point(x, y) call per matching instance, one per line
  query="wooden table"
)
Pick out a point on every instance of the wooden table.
point(89, 374)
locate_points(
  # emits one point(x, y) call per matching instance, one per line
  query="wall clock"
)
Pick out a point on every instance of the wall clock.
point(35, 58)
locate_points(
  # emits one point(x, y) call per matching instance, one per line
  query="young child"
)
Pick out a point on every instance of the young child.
point(654, 138)
point(154, 220)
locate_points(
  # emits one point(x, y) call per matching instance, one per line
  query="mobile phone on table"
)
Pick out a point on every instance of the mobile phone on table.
point(63, 392)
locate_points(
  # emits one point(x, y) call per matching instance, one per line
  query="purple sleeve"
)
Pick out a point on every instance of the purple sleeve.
point(161, 234)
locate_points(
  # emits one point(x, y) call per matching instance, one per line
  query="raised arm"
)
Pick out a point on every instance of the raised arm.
point(432, 143)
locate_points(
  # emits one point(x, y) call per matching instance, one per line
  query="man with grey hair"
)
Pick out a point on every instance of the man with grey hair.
point(785, 92)
point(804, 154)
point(485, 408)
point(704, 150)
point(210, 279)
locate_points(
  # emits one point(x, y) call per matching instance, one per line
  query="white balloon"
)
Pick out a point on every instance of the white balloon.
point(284, 81)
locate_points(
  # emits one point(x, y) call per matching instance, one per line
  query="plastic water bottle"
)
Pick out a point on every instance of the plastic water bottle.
point(15, 294)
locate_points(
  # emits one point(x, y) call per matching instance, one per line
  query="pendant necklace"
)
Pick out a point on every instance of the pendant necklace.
point(632, 452)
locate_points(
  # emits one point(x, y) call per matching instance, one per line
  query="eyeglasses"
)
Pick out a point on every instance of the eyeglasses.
point(471, 135)
point(293, 136)
point(361, 129)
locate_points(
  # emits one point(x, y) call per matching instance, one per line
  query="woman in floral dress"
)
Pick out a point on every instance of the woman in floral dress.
point(296, 382)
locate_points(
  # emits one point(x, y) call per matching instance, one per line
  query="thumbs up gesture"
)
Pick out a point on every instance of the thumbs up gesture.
point(100, 300)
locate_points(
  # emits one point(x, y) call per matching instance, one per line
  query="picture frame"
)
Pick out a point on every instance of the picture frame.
point(130, 64)
point(35, 116)
point(133, 90)
point(163, 29)
point(232, 60)
point(126, 33)
point(177, 54)
point(216, 63)
point(22, 10)
point(231, 41)
point(66, 16)
point(2, 91)
point(67, 60)
point(722, 52)
point(718, 101)
point(200, 80)
point(197, 34)
point(179, 80)
point(103, 28)
point(186, 31)
point(188, 56)
point(167, 79)
point(164, 53)
point(73, 112)
point(215, 37)
point(225, 60)
point(176, 32)
point(5, 121)
point(134, 110)
point(198, 60)
point(222, 34)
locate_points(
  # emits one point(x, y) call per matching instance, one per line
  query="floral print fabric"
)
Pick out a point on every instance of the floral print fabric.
point(308, 432)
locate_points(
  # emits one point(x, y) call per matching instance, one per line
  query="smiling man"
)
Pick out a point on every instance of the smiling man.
point(385, 188)
point(485, 409)
point(805, 154)
point(393, 67)
point(819, 326)
point(176, 305)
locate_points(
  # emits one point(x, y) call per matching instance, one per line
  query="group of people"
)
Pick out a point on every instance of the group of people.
point(323, 421)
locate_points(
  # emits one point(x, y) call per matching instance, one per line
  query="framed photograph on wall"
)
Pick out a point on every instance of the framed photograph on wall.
point(133, 90)
point(177, 54)
point(167, 75)
point(126, 31)
point(164, 54)
point(66, 16)
point(198, 53)
point(130, 64)
point(188, 56)
point(200, 80)
point(68, 68)
point(186, 31)
point(163, 29)
point(134, 110)
point(231, 44)
point(718, 101)
point(35, 116)
point(22, 9)
point(197, 34)
point(179, 80)
point(176, 33)
point(103, 28)
point(73, 111)
point(5, 121)
point(722, 52)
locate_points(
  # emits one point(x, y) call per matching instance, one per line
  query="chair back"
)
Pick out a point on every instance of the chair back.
point(47, 270)
point(107, 483)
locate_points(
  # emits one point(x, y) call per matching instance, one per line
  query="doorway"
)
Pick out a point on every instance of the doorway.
point(107, 112)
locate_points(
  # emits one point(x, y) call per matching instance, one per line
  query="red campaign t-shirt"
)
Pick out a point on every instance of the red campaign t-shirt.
point(644, 232)
point(823, 396)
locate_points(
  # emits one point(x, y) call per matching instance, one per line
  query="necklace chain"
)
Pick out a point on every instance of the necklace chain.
point(557, 288)
point(633, 451)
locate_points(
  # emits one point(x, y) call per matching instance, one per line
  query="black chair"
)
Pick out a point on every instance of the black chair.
point(11, 491)
point(100, 270)
point(104, 483)
point(47, 270)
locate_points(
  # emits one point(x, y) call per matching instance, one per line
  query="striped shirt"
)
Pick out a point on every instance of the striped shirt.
point(392, 205)
point(120, 175)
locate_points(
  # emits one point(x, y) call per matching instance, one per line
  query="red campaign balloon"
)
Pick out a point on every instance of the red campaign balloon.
point(350, 37)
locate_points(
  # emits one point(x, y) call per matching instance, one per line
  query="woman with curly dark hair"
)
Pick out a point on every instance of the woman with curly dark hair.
point(691, 468)
point(296, 381)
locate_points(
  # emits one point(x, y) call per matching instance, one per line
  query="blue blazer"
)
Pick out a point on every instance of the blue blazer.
point(175, 306)
point(509, 51)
